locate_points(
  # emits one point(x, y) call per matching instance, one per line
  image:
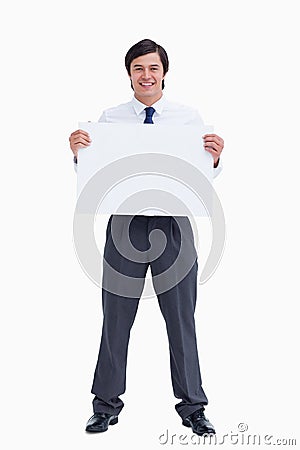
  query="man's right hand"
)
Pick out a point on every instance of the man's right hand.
point(79, 139)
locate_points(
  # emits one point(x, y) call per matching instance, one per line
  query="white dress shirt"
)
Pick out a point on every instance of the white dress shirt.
point(167, 113)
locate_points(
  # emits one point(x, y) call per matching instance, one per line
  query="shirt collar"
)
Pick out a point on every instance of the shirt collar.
point(139, 106)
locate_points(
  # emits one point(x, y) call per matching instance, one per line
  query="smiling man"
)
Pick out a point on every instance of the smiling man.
point(147, 65)
point(147, 74)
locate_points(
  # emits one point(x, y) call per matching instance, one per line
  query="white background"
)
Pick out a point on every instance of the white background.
point(62, 62)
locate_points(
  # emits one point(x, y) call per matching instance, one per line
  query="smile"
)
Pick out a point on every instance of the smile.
point(147, 84)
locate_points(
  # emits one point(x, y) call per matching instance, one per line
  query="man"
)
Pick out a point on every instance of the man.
point(147, 65)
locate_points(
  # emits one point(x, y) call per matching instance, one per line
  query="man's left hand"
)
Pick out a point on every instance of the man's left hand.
point(214, 145)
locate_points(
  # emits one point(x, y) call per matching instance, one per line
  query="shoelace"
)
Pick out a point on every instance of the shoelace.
point(199, 415)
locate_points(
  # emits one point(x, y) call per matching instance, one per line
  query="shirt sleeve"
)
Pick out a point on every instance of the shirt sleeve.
point(103, 118)
point(196, 119)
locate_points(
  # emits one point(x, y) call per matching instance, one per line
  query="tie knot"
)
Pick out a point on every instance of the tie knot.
point(149, 113)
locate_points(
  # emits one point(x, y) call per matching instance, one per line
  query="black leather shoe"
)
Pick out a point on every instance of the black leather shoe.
point(99, 422)
point(199, 423)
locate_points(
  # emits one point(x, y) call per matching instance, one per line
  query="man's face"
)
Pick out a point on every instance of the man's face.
point(146, 74)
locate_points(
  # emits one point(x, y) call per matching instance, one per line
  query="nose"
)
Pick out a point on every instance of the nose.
point(146, 73)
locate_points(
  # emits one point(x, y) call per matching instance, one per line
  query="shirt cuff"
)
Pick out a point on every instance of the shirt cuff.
point(218, 169)
point(75, 163)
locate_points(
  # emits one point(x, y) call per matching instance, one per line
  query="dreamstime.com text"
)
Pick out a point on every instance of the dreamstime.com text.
point(240, 437)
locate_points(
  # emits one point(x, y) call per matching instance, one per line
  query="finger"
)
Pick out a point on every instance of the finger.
point(81, 133)
point(78, 137)
point(213, 152)
point(213, 138)
point(214, 146)
point(212, 135)
point(81, 141)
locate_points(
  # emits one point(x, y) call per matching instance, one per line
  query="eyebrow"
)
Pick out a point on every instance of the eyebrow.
point(151, 65)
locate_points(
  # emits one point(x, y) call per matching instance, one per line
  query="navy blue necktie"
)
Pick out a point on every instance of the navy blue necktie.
point(149, 113)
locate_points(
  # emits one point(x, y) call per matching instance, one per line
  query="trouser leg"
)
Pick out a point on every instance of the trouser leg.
point(118, 314)
point(177, 303)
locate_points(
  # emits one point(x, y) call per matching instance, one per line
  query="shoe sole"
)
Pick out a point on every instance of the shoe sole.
point(112, 422)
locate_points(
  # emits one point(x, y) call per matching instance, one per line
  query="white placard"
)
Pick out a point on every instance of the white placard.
point(163, 156)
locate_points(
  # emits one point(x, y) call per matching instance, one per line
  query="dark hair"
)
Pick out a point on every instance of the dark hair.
point(142, 48)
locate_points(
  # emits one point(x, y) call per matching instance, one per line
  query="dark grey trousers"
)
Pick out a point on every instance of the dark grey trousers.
point(176, 293)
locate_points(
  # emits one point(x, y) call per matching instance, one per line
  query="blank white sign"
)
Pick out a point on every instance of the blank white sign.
point(151, 190)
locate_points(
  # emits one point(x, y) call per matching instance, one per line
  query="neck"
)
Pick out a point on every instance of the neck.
point(148, 101)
